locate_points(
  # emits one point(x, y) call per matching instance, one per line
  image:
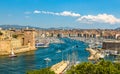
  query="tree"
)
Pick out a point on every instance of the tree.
point(102, 67)
point(14, 36)
point(41, 71)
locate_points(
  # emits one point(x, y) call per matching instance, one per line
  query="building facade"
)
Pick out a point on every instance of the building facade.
point(111, 45)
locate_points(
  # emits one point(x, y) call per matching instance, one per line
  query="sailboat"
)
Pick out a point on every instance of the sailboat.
point(12, 54)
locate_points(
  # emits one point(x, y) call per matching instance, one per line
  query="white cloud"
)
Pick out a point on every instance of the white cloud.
point(100, 18)
point(64, 13)
point(88, 19)
point(67, 13)
point(36, 12)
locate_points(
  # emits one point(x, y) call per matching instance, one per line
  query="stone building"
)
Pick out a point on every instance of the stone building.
point(29, 37)
point(5, 46)
point(111, 45)
point(19, 40)
point(16, 43)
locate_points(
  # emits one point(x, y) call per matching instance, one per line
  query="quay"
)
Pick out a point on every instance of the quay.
point(60, 67)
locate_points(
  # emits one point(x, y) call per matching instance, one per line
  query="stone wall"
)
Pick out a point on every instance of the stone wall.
point(25, 41)
point(5, 46)
point(111, 45)
point(29, 37)
point(16, 43)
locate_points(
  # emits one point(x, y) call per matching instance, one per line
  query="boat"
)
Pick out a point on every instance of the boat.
point(102, 56)
point(107, 54)
point(12, 54)
point(117, 59)
point(47, 59)
point(58, 51)
point(114, 53)
point(38, 45)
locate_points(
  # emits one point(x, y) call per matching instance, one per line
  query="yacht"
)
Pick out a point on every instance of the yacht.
point(47, 59)
point(58, 51)
point(102, 56)
point(38, 45)
point(12, 54)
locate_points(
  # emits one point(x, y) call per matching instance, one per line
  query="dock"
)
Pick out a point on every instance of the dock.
point(60, 67)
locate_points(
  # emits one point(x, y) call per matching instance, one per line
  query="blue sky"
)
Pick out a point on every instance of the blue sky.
point(85, 14)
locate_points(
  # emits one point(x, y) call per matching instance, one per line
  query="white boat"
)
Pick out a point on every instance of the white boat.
point(58, 51)
point(47, 59)
point(115, 53)
point(37, 45)
point(107, 54)
point(12, 54)
point(102, 56)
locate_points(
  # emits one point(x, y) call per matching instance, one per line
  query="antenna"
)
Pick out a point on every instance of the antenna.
point(62, 55)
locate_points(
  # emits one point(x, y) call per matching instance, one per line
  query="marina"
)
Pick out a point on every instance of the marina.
point(72, 50)
point(38, 59)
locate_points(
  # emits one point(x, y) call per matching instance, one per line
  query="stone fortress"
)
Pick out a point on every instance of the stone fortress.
point(18, 40)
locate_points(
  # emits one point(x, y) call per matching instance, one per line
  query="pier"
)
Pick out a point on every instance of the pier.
point(60, 67)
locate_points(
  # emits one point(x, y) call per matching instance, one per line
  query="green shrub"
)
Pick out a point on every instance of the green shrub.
point(102, 67)
point(14, 36)
point(41, 71)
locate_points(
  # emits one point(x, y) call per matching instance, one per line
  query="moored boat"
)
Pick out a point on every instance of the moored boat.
point(47, 59)
point(37, 45)
point(12, 54)
point(58, 51)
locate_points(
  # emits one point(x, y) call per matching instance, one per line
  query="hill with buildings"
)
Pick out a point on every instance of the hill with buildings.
point(117, 28)
point(8, 26)
point(17, 27)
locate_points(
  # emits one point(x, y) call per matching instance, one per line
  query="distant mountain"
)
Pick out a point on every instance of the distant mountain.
point(117, 28)
point(17, 27)
point(61, 28)
point(20, 27)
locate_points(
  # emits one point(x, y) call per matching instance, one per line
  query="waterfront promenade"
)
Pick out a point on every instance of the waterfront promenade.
point(60, 67)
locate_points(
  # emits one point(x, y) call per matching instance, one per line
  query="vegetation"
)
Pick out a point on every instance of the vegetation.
point(102, 67)
point(1, 33)
point(14, 36)
point(41, 71)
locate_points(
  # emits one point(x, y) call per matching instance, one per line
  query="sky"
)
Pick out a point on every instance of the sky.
point(84, 14)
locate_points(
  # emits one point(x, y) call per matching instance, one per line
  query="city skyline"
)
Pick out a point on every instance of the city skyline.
point(87, 14)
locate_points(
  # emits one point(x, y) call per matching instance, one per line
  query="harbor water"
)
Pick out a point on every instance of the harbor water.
point(36, 59)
